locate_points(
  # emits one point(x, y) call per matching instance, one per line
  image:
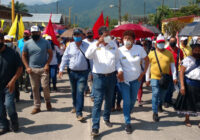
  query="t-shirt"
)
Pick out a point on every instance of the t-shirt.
point(165, 59)
point(130, 61)
point(20, 45)
point(188, 62)
point(37, 52)
point(187, 51)
point(9, 63)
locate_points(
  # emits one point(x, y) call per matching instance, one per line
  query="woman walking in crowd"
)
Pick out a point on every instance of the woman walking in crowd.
point(188, 100)
point(130, 58)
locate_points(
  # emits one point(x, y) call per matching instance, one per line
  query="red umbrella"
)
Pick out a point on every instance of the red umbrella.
point(139, 30)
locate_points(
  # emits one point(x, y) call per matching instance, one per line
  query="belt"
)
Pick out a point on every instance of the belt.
point(78, 70)
point(105, 75)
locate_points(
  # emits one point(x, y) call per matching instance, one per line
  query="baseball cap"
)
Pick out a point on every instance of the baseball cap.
point(48, 38)
point(160, 39)
point(77, 31)
point(183, 38)
point(26, 32)
point(35, 29)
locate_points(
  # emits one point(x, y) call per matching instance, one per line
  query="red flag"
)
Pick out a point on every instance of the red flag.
point(107, 22)
point(97, 25)
point(50, 31)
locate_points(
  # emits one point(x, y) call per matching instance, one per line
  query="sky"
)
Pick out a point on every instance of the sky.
point(28, 2)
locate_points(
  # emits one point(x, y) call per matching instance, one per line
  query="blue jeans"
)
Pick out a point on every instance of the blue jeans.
point(7, 104)
point(53, 74)
point(158, 95)
point(169, 94)
point(103, 87)
point(129, 95)
point(117, 95)
point(78, 81)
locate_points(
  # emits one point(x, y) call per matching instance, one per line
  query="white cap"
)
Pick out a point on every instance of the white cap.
point(183, 38)
point(48, 37)
point(35, 29)
point(160, 39)
point(8, 37)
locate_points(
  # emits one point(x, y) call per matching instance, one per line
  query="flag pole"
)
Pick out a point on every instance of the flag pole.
point(13, 11)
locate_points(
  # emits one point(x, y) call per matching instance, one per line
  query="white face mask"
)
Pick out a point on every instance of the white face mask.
point(127, 43)
point(107, 39)
point(160, 45)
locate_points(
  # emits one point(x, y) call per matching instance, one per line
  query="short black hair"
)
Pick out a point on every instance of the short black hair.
point(1, 36)
point(193, 46)
point(103, 29)
point(173, 37)
point(129, 33)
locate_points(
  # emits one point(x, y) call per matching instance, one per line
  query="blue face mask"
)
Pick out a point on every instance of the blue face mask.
point(77, 39)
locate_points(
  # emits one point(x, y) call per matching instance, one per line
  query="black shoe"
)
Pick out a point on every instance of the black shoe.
point(15, 127)
point(155, 117)
point(128, 128)
point(17, 100)
point(95, 132)
point(26, 90)
point(55, 88)
point(31, 97)
point(108, 123)
point(160, 109)
point(3, 131)
point(41, 98)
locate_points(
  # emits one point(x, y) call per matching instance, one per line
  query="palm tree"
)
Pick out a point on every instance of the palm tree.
point(19, 7)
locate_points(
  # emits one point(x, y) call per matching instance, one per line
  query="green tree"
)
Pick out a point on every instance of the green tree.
point(126, 17)
point(173, 27)
point(19, 7)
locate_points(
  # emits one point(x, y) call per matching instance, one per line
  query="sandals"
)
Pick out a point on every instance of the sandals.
point(188, 124)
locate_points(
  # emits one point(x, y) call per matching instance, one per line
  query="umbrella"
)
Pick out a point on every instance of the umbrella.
point(139, 30)
point(69, 33)
point(192, 29)
point(152, 28)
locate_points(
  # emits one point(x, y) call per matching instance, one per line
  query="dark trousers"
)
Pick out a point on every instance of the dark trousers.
point(53, 69)
point(7, 105)
point(78, 82)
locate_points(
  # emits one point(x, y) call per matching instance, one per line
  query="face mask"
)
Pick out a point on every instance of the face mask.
point(35, 37)
point(8, 44)
point(1, 45)
point(107, 39)
point(196, 55)
point(120, 44)
point(173, 44)
point(161, 45)
point(26, 37)
point(77, 39)
point(90, 36)
point(185, 42)
point(127, 43)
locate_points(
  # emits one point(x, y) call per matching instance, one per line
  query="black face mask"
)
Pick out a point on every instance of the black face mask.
point(196, 55)
point(26, 37)
point(173, 44)
point(90, 36)
point(1, 45)
point(185, 42)
point(35, 37)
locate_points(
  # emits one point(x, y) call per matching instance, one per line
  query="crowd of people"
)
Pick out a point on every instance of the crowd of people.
point(107, 69)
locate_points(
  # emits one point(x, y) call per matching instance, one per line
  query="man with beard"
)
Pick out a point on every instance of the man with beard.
point(36, 56)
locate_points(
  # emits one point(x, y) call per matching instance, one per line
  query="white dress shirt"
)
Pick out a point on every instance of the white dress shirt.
point(105, 58)
point(130, 61)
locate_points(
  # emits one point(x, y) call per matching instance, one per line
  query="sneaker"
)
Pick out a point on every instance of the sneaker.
point(73, 110)
point(80, 118)
point(35, 111)
point(118, 108)
point(95, 132)
point(107, 123)
point(4, 131)
point(166, 105)
point(48, 106)
point(92, 99)
point(140, 104)
point(160, 109)
point(128, 128)
point(113, 109)
point(155, 117)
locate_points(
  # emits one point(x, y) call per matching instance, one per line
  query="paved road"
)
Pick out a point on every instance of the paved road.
point(60, 124)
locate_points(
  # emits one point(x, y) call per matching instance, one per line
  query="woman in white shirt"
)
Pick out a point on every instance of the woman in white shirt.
point(188, 100)
point(130, 73)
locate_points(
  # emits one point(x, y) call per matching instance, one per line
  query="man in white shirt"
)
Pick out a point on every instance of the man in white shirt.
point(105, 56)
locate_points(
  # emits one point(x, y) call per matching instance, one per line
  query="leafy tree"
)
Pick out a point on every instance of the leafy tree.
point(173, 27)
point(19, 6)
point(126, 17)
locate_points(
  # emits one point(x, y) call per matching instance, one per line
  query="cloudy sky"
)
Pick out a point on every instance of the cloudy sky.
point(28, 2)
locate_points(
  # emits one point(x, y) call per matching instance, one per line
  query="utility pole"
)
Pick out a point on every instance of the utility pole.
point(144, 8)
point(120, 4)
point(57, 6)
point(163, 3)
point(13, 11)
point(174, 3)
point(70, 15)
point(74, 20)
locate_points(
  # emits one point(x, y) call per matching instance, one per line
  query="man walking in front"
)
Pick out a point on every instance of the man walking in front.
point(10, 71)
point(36, 56)
point(79, 67)
point(105, 55)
